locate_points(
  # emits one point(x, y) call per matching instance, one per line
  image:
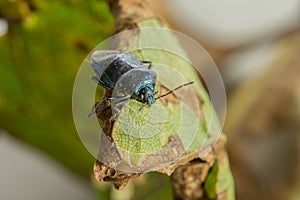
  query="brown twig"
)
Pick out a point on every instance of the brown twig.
point(188, 180)
point(128, 12)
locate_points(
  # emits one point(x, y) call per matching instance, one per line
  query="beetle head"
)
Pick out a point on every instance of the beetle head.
point(147, 95)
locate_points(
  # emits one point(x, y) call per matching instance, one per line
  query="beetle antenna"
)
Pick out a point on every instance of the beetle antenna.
point(180, 86)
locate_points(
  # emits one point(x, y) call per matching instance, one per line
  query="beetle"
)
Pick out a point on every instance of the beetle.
point(127, 75)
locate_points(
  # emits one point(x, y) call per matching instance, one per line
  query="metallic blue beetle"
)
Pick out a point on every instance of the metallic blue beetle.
point(127, 75)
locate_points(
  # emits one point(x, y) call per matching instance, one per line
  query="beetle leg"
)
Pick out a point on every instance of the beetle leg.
point(122, 101)
point(142, 106)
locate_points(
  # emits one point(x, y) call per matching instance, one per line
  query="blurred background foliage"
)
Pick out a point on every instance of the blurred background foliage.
point(40, 55)
point(254, 43)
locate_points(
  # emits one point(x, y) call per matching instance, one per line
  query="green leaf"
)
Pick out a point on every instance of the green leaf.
point(220, 180)
point(225, 182)
point(144, 138)
point(211, 182)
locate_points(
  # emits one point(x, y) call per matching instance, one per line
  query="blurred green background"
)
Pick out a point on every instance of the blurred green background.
point(43, 43)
